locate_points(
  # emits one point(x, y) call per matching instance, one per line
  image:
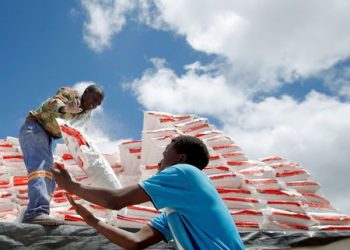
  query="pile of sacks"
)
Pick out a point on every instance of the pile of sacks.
point(266, 194)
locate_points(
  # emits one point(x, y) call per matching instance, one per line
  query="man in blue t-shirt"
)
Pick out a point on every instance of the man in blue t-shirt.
point(194, 215)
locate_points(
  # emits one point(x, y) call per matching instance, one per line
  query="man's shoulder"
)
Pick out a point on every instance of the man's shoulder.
point(187, 169)
point(68, 91)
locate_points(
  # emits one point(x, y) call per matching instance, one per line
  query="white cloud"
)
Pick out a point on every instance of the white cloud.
point(264, 44)
point(105, 18)
point(312, 132)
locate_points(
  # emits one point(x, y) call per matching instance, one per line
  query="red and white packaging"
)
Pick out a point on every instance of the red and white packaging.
point(277, 194)
point(154, 143)
point(218, 140)
point(293, 175)
point(215, 161)
point(247, 215)
point(250, 226)
point(234, 156)
point(284, 166)
point(226, 180)
point(217, 170)
point(292, 218)
point(195, 125)
point(88, 157)
point(292, 206)
point(208, 134)
point(157, 120)
point(227, 148)
point(312, 197)
point(308, 186)
point(148, 171)
point(237, 165)
point(234, 193)
point(257, 173)
point(262, 183)
point(130, 153)
point(331, 218)
point(318, 207)
point(241, 203)
point(273, 160)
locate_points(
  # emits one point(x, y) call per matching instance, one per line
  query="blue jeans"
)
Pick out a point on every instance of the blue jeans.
point(36, 145)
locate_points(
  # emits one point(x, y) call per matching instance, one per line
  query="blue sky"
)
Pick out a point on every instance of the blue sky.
point(275, 77)
point(42, 49)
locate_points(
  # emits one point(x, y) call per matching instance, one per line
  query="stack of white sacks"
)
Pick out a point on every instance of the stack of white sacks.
point(265, 194)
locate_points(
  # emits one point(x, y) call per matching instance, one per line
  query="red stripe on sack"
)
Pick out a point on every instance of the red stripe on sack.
point(173, 119)
point(240, 163)
point(223, 168)
point(130, 142)
point(231, 190)
point(272, 158)
point(134, 150)
point(246, 212)
point(290, 173)
point(69, 217)
point(224, 146)
point(75, 134)
point(206, 125)
point(301, 183)
point(8, 157)
point(20, 180)
point(241, 199)
point(261, 181)
point(150, 167)
point(221, 176)
point(206, 133)
point(67, 156)
point(247, 224)
point(214, 157)
point(293, 203)
point(274, 192)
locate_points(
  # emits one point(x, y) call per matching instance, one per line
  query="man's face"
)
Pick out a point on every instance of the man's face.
point(170, 157)
point(91, 100)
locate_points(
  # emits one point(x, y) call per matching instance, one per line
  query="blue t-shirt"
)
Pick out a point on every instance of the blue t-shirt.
point(194, 215)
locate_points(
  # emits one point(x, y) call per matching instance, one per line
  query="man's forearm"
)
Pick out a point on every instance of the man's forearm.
point(112, 199)
point(116, 235)
point(99, 196)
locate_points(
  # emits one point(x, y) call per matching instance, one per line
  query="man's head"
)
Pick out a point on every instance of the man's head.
point(185, 149)
point(92, 97)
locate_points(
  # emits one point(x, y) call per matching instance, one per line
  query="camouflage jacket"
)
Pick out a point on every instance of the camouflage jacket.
point(47, 113)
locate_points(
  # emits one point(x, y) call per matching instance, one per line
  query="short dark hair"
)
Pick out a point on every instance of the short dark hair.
point(194, 148)
point(95, 89)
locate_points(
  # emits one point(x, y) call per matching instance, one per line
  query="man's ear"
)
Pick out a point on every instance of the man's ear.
point(182, 158)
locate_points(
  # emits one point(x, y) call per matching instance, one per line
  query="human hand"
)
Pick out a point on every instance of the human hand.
point(72, 107)
point(88, 217)
point(62, 177)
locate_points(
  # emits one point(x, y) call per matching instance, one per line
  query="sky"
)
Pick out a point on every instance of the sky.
point(273, 75)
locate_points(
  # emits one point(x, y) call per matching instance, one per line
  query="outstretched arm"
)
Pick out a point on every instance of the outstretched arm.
point(109, 198)
point(145, 237)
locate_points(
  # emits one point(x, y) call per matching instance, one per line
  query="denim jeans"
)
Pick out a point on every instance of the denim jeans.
point(36, 145)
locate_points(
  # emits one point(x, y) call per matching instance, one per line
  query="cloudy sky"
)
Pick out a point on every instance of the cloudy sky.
point(274, 75)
